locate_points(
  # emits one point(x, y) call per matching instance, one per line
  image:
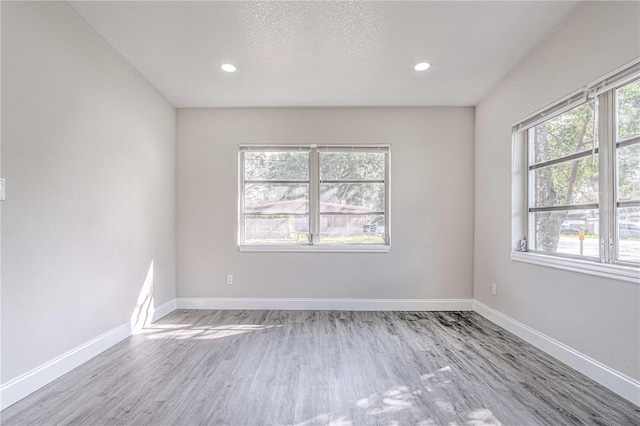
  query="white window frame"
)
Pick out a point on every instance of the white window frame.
point(314, 200)
point(606, 265)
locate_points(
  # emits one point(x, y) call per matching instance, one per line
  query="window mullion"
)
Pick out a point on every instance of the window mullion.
point(241, 204)
point(314, 195)
point(387, 198)
point(530, 190)
point(606, 175)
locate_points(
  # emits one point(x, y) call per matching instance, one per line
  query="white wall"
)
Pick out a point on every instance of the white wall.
point(88, 151)
point(431, 196)
point(598, 317)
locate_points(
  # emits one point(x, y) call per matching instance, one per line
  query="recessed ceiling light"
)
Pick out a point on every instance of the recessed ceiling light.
point(228, 67)
point(422, 66)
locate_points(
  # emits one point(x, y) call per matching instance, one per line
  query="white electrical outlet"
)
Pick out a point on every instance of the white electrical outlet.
point(494, 289)
point(1, 189)
point(229, 279)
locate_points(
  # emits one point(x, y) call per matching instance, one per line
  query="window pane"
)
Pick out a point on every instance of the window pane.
point(629, 234)
point(628, 109)
point(276, 197)
point(276, 165)
point(629, 172)
point(563, 135)
point(361, 229)
point(276, 229)
point(352, 197)
point(558, 232)
point(351, 165)
point(569, 182)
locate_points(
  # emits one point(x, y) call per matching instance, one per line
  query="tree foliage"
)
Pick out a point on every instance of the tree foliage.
point(337, 166)
point(628, 126)
point(628, 110)
point(568, 182)
point(278, 166)
point(334, 166)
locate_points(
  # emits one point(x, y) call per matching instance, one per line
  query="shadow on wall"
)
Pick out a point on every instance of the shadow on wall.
point(143, 312)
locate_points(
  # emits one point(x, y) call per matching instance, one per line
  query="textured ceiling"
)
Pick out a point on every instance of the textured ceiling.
point(324, 53)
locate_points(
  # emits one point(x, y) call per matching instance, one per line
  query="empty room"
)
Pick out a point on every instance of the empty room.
point(320, 212)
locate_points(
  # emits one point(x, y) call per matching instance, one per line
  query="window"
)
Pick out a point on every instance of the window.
point(577, 177)
point(627, 201)
point(314, 198)
point(563, 184)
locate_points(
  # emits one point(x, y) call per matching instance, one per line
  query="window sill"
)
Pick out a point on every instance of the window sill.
point(354, 248)
point(616, 272)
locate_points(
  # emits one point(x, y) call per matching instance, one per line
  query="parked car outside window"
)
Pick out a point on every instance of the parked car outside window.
point(376, 226)
point(628, 230)
point(567, 230)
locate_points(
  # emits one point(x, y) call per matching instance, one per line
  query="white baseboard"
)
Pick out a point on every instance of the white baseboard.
point(164, 310)
point(619, 383)
point(326, 304)
point(16, 389)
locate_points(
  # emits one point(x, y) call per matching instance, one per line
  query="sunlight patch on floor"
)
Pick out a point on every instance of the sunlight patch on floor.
point(202, 332)
point(481, 417)
point(378, 407)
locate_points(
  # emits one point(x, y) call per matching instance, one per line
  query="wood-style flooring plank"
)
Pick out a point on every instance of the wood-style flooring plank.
point(322, 367)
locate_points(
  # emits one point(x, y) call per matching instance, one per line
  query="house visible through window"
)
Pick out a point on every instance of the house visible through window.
point(314, 198)
point(581, 182)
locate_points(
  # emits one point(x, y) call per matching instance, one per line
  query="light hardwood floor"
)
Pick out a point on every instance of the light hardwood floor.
point(321, 367)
